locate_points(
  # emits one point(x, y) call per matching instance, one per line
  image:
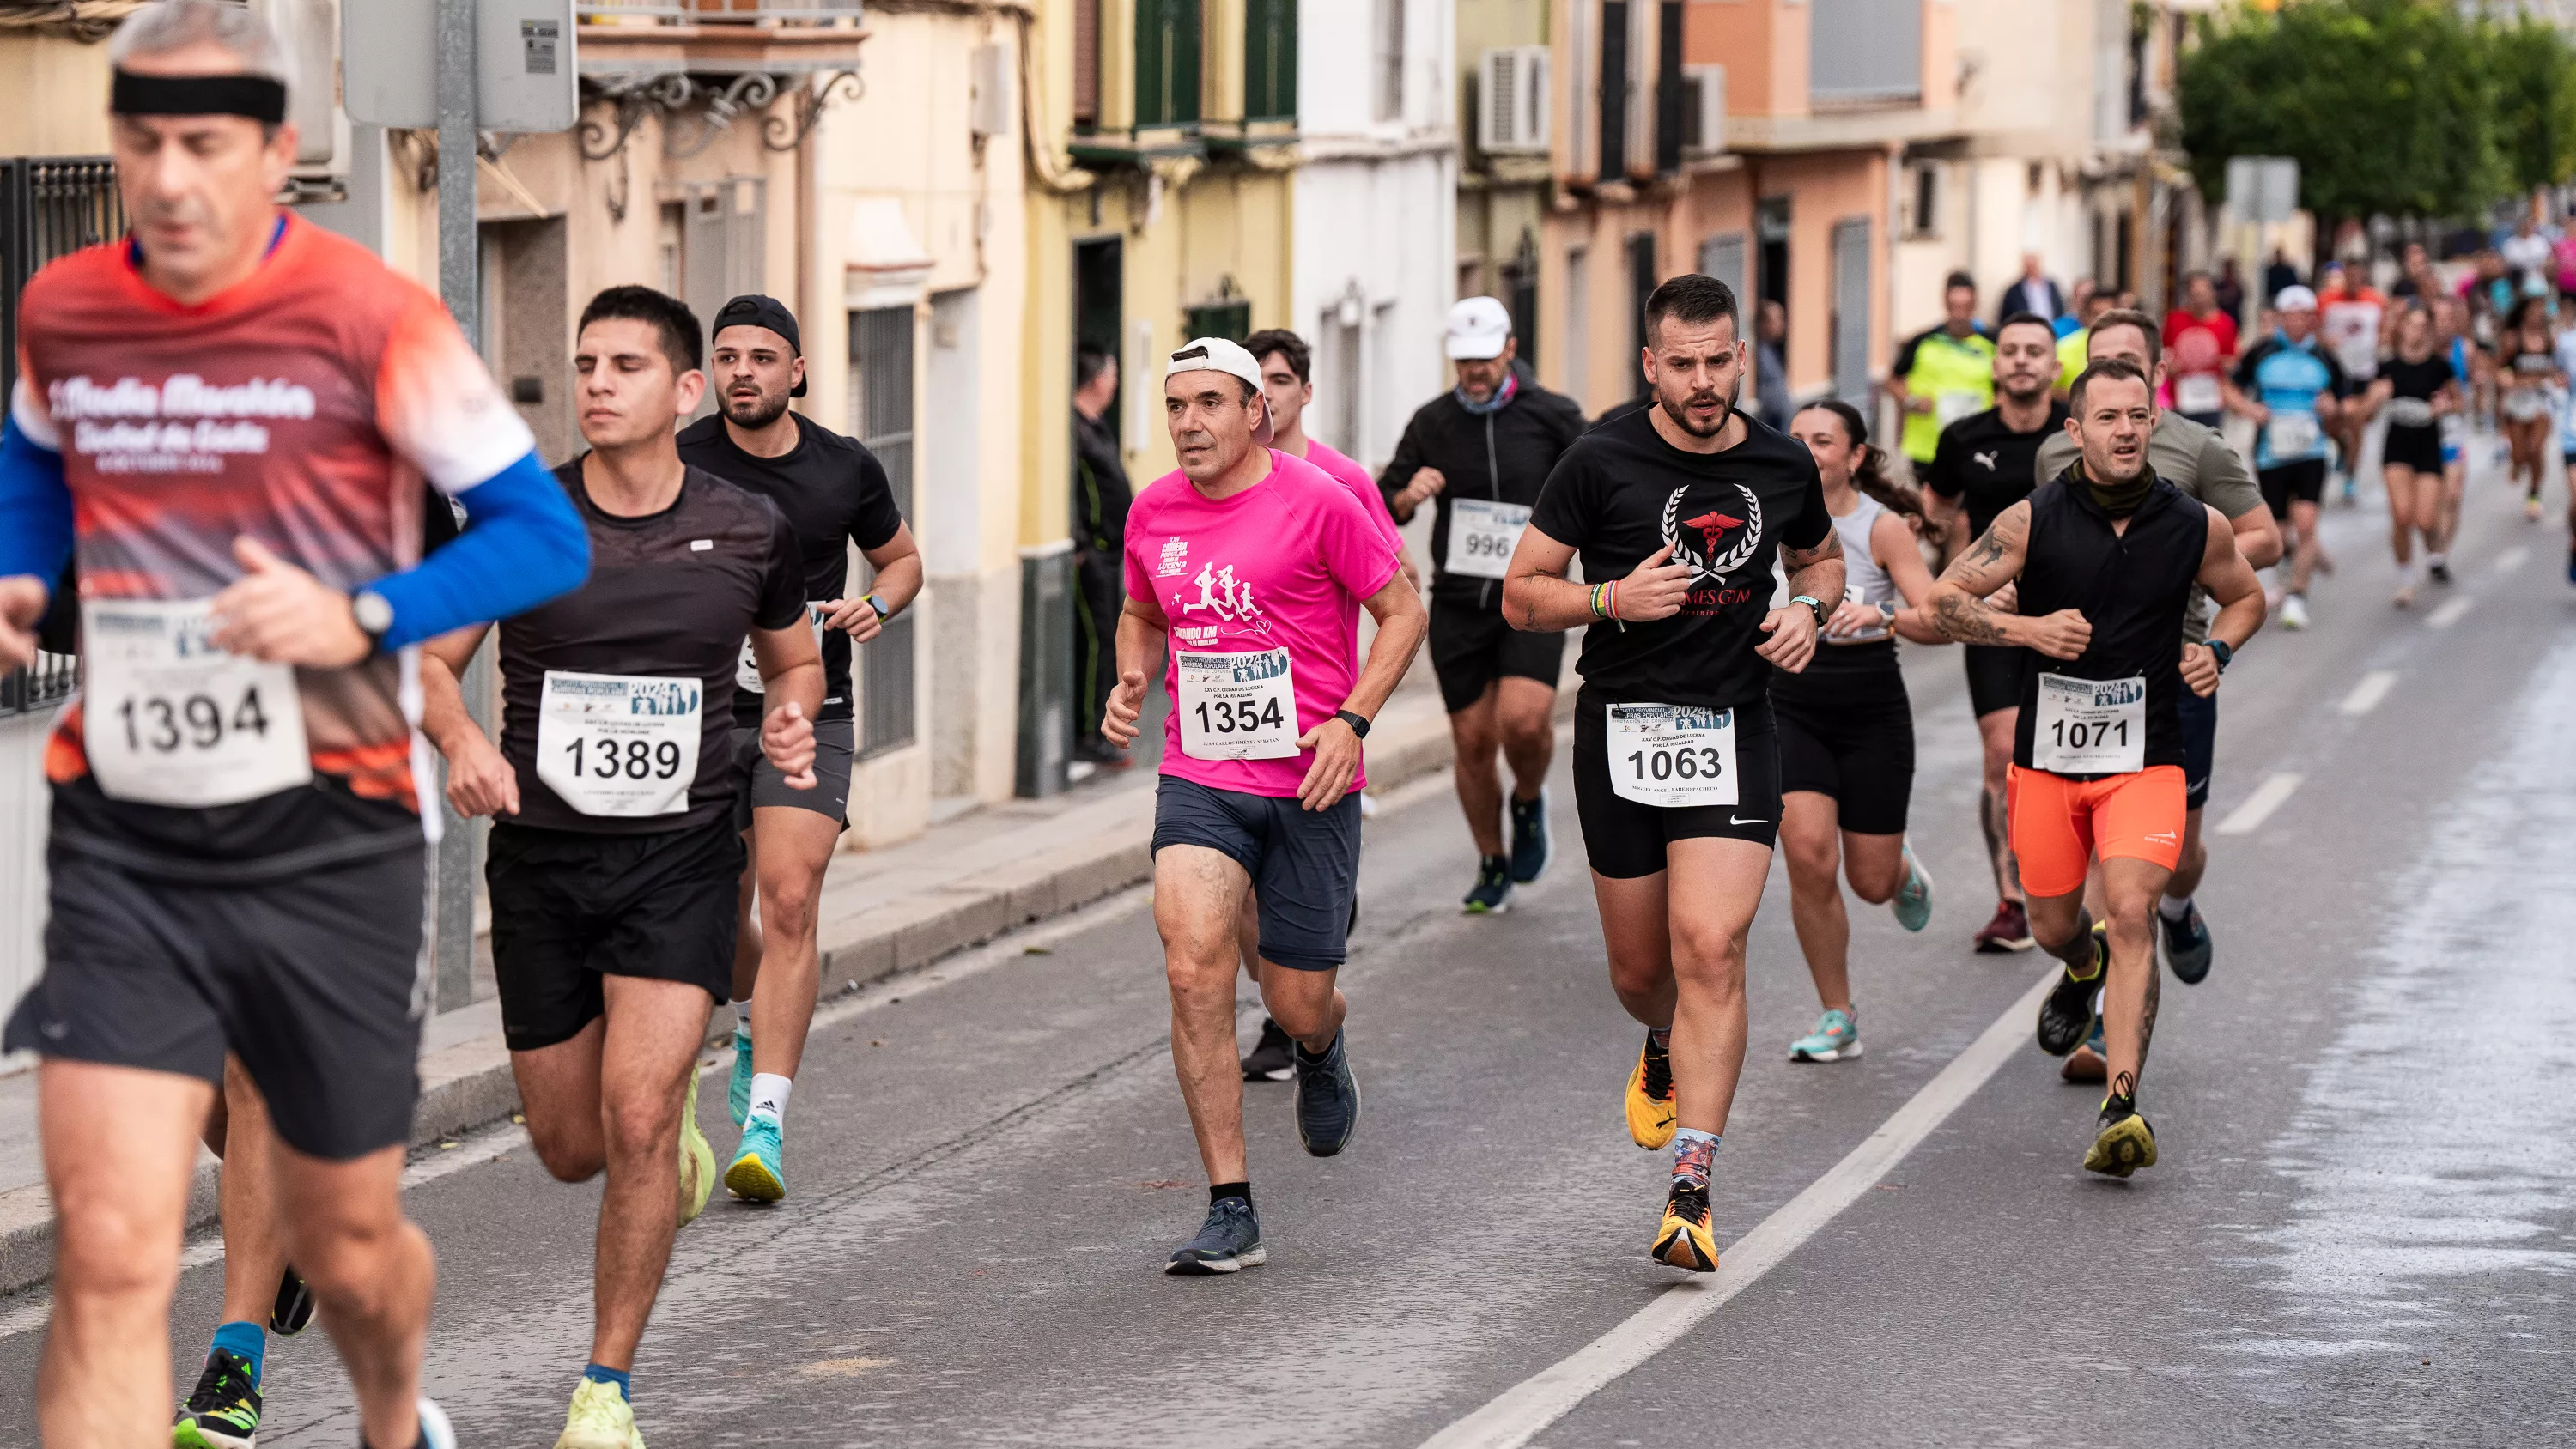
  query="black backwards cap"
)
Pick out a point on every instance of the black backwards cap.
point(754, 310)
point(259, 97)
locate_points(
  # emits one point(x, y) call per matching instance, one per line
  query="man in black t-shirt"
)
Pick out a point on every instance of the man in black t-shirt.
point(1677, 511)
point(833, 493)
point(1980, 467)
point(615, 869)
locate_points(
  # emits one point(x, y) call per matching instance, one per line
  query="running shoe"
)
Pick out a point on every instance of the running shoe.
point(2090, 1062)
point(2438, 569)
point(1912, 902)
point(2404, 598)
point(2122, 1140)
point(757, 1174)
point(1650, 1097)
point(1493, 893)
point(738, 1091)
point(2067, 1016)
point(1683, 1239)
point(600, 1418)
point(435, 1431)
point(2351, 491)
point(2571, 564)
point(223, 1411)
point(1837, 1036)
point(697, 1160)
point(2294, 611)
point(294, 1307)
point(1269, 1060)
point(2008, 931)
point(2531, 509)
point(2186, 945)
point(1228, 1242)
point(1328, 1099)
point(1530, 844)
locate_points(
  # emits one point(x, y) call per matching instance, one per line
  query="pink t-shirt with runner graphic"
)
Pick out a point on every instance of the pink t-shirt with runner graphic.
point(1363, 487)
point(1283, 564)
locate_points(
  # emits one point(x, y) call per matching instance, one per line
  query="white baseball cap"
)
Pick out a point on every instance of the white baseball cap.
point(1478, 328)
point(1216, 354)
point(2295, 298)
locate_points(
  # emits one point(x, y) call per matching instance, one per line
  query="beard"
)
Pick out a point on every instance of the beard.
point(1678, 409)
point(2036, 389)
point(754, 413)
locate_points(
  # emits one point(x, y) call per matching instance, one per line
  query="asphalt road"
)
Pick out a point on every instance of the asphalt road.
point(2361, 1231)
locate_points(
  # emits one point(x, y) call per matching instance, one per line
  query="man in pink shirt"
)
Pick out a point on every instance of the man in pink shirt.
point(1254, 565)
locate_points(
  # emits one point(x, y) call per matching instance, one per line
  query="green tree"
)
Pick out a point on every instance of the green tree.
point(2535, 86)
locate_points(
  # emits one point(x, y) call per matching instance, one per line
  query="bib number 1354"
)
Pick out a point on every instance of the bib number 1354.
point(1237, 706)
point(1671, 755)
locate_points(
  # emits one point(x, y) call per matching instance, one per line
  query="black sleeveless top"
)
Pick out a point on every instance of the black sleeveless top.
point(2132, 587)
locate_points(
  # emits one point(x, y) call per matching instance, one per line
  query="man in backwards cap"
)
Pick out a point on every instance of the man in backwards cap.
point(1254, 565)
point(241, 406)
point(833, 493)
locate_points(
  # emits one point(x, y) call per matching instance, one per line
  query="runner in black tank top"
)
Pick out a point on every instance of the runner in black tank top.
point(2104, 558)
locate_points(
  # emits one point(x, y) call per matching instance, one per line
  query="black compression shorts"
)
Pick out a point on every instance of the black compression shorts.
point(570, 907)
point(1848, 734)
point(1472, 647)
point(1626, 839)
point(1994, 677)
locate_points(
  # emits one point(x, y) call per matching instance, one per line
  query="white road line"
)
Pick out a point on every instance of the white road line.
point(2450, 613)
point(2258, 807)
point(1521, 1412)
point(2511, 559)
point(2366, 695)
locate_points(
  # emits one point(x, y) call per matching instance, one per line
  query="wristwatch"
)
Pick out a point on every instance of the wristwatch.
point(2222, 651)
point(1358, 722)
point(873, 602)
point(1813, 607)
point(374, 617)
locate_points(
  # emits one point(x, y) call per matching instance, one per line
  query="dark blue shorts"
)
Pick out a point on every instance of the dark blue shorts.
point(2199, 745)
point(1304, 864)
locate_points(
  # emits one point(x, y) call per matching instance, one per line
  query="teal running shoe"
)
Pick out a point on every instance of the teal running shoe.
point(1836, 1038)
point(1913, 900)
point(756, 1174)
point(223, 1411)
point(2187, 947)
point(738, 1095)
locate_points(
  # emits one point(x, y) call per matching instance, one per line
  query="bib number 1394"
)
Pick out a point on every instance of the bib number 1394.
point(169, 719)
point(1671, 755)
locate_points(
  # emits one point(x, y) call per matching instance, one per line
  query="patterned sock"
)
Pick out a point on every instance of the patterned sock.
point(1694, 1152)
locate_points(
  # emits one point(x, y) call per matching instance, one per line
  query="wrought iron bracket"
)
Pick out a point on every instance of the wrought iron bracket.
point(695, 110)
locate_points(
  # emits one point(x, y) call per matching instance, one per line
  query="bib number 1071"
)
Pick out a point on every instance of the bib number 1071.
point(2100, 734)
point(1239, 716)
point(164, 725)
point(631, 759)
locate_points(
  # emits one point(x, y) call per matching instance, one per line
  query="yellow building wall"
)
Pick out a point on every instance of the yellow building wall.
point(57, 90)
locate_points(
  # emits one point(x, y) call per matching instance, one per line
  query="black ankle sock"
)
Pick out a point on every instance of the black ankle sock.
point(1220, 1191)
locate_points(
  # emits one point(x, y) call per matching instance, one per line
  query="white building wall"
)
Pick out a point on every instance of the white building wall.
point(24, 800)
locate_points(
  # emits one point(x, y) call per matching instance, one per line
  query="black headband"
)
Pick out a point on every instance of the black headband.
point(261, 98)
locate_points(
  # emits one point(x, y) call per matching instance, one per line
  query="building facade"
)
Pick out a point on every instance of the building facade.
point(1506, 122)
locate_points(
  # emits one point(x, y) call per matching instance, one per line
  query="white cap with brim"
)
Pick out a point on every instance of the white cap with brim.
point(2295, 299)
point(1479, 329)
point(1215, 354)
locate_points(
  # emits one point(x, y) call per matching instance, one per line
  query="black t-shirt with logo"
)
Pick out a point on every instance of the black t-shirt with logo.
point(1621, 492)
point(671, 595)
point(834, 492)
point(1988, 463)
point(2411, 389)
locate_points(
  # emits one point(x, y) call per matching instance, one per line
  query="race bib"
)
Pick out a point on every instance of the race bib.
point(1671, 755)
point(1949, 407)
point(169, 719)
point(1238, 706)
point(746, 675)
point(2524, 404)
point(1482, 535)
point(2409, 412)
point(2291, 436)
point(620, 745)
point(2197, 392)
point(2090, 726)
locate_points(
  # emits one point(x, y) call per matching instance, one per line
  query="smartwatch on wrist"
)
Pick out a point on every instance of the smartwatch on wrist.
point(374, 617)
point(1813, 607)
point(873, 602)
point(2222, 651)
point(1358, 722)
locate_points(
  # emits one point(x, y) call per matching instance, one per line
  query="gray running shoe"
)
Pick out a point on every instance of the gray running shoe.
point(1328, 1099)
point(1228, 1242)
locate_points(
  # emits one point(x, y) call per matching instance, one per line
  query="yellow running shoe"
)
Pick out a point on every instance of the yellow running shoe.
point(697, 1159)
point(1684, 1241)
point(1650, 1098)
point(2123, 1144)
point(600, 1419)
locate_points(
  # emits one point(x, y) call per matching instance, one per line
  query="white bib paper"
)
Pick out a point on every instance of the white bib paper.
point(2090, 726)
point(1949, 407)
point(1482, 535)
point(2197, 392)
point(2292, 435)
point(2409, 412)
point(1238, 706)
point(619, 745)
point(746, 674)
point(169, 719)
point(1671, 754)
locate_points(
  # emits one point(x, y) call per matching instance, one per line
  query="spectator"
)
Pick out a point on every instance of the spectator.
point(2231, 289)
point(1771, 366)
point(2032, 292)
point(2279, 274)
point(1100, 498)
point(2071, 321)
point(1943, 373)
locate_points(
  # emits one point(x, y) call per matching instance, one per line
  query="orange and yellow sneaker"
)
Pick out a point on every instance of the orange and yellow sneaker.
point(1650, 1098)
point(1683, 1241)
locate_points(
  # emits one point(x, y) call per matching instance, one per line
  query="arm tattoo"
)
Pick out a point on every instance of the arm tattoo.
point(1802, 558)
point(1966, 619)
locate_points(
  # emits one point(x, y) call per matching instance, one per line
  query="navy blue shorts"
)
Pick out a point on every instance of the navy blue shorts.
point(2199, 744)
point(1304, 864)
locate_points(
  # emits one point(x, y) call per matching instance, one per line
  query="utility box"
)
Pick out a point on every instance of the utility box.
point(526, 73)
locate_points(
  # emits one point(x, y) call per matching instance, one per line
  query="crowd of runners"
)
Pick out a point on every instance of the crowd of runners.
point(298, 505)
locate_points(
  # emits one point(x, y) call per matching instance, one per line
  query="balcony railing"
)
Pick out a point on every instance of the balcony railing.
point(717, 12)
point(1865, 52)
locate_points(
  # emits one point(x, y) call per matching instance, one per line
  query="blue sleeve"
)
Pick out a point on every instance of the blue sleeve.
point(522, 545)
point(35, 508)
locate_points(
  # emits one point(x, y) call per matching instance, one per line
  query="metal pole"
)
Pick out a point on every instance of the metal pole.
point(460, 846)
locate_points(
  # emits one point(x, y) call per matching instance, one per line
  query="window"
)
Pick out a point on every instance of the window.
point(1613, 95)
point(1086, 64)
point(1578, 324)
point(1671, 122)
point(1227, 317)
point(1269, 59)
point(1390, 60)
point(1923, 199)
point(881, 395)
point(1641, 283)
point(673, 278)
point(1167, 63)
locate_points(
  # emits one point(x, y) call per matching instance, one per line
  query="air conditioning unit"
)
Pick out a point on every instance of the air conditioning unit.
point(989, 109)
point(1512, 99)
point(1703, 110)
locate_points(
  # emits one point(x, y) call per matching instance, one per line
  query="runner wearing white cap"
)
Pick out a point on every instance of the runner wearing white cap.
point(2292, 387)
point(1483, 450)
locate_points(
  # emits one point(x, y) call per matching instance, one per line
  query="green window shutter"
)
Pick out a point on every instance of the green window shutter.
point(1167, 62)
point(1231, 320)
point(1269, 60)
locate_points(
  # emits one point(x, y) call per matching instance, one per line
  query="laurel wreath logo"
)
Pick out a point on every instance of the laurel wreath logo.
point(1728, 562)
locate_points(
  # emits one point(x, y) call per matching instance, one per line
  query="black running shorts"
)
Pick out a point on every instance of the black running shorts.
point(834, 752)
point(570, 907)
point(1304, 864)
point(2199, 744)
point(1848, 734)
point(1994, 676)
point(2303, 482)
point(1472, 647)
point(1626, 839)
point(2416, 448)
point(316, 981)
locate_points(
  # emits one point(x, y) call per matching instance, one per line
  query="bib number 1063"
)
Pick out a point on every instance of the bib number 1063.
point(1682, 762)
point(1668, 755)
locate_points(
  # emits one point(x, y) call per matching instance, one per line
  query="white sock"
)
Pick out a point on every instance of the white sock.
point(742, 1016)
point(2406, 575)
point(2436, 560)
point(2174, 908)
point(769, 1094)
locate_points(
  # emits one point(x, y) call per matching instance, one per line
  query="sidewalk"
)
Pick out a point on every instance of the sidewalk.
point(961, 883)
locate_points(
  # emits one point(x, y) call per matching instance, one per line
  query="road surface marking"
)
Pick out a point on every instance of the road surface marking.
point(1521, 1412)
point(2258, 807)
point(2511, 559)
point(2373, 688)
point(2449, 614)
